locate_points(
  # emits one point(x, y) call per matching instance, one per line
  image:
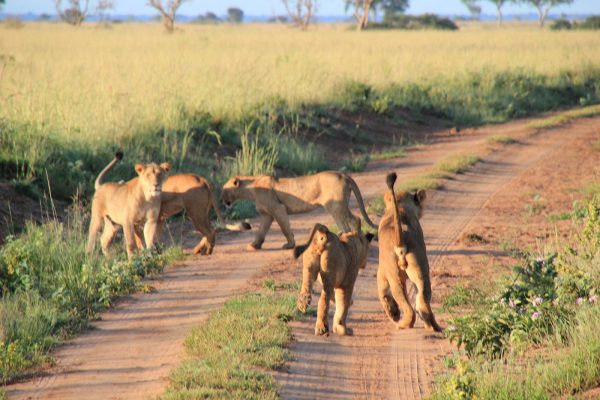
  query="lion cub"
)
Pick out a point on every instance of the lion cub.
point(402, 256)
point(337, 261)
point(128, 204)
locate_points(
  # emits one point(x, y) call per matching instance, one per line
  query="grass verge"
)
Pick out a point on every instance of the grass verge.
point(561, 119)
point(230, 355)
point(51, 288)
point(501, 139)
point(536, 338)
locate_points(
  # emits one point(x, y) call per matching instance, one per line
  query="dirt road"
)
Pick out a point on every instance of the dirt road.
point(129, 353)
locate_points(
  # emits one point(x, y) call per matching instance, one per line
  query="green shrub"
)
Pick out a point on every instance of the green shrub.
point(255, 157)
point(411, 22)
point(300, 158)
point(356, 163)
point(561, 24)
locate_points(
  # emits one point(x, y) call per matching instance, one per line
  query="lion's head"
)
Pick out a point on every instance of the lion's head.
point(411, 202)
point(151, 178)
point(231, 190)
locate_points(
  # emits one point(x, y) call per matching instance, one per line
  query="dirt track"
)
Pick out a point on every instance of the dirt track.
point(130, 352)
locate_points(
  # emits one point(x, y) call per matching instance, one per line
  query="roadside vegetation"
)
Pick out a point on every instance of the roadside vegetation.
point(50, 289)
point(231, 354)
point(535, 336)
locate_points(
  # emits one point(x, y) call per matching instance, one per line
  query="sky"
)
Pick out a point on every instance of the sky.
point(275, 7)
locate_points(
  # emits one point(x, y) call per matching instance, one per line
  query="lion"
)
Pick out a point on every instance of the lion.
point(127, 204)
point(402, 256)
point(276, 198)
point(194, 195)
point(336, 260)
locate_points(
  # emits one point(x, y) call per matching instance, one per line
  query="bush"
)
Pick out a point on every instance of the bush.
point(300, 158)
point(561, 24)
point(425, 21)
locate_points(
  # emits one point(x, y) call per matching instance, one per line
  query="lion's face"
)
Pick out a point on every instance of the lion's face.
point(152, 177)
point(319, 241)
point(230, 191)
point(412, 202)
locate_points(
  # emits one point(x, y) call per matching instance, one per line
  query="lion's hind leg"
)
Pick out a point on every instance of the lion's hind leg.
point(321, 326)
point(423, 305)
point(108, 234)
point(343, 299)
point(398, 289)
point(201, 221)
point(387, 301)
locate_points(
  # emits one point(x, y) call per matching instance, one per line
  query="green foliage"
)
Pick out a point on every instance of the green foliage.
point(457, 164)
point(255, 157)
point(300, 158)
point(50, 288)
point(389, 154)
point(501, 139)
point(227, 356)
point(592, 22)
point(541, 300)
point(462, 296)
point(356, 163)
point(561, 24)
point(415, 22)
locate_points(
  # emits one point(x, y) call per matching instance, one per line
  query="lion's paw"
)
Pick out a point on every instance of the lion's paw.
point(253, 247)
point(342, 330)
point(288, 246)
point(303, 302)
point(321, 329)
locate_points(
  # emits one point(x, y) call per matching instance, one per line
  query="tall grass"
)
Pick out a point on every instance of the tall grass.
point(72, 97)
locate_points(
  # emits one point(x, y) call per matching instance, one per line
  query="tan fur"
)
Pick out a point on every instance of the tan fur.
point(194, 195)
point(277, 198)
point(336, 260)
point(393, 271)
point(136, 202)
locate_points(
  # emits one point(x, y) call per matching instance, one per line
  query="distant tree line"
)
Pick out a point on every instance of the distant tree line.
point(542, 7)
point(299, 12)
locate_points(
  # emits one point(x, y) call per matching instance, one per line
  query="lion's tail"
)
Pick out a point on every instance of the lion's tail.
point(118, 157)
point(390, 179)
point(242, 226)
point(298, 250)
point(361, 203)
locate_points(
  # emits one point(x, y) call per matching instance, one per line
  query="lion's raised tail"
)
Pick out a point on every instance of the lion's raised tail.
point(118, 157)
point(241, 226)
point(361, 203)
point(298, 250)
point(399, 246)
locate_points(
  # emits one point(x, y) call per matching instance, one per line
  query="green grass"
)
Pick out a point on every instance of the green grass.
point(457, 164)
point(462, 296)
point(563, 118)
point(501, 139)
point(356, 163)
point(230, 355)
point(51, 288)
point(389, 154)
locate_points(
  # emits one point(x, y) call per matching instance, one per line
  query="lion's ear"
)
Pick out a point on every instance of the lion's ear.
point(236, 182)
point(166, 166)
point(369, 237)
point(139, 168)
point(420, 196)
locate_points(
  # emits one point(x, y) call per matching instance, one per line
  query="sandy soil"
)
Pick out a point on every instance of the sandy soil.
point(129, 353)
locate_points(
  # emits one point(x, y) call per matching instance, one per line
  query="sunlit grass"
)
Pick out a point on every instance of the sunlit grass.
point(563, 118)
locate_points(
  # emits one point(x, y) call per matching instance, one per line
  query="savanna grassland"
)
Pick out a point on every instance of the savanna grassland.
point(81, 93)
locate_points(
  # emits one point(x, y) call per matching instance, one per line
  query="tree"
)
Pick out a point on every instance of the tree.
point(474, 8)
point(301, 13)
point(78, 10)
point(390, 7)
point(362, 9)
point(235, 15)
point(543, 7)
point(167, 11)
point(499, 4)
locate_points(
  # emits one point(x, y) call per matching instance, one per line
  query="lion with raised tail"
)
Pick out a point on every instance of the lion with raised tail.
point(402, 257)
point(129, 204)
point(275, 199)
point(336, 260)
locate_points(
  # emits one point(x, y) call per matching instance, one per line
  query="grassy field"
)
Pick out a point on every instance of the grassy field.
point(69, 97)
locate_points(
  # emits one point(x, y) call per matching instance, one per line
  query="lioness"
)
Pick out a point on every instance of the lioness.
point(402, 255)
point(127, 204)
point(194, 195)
point(337, 261)
point(276, 198)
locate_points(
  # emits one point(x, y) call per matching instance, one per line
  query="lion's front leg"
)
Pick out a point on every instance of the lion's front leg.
point(265, 223)
point(343, 299)
point(310, 271)
point(282, 218)
point(150, 228)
